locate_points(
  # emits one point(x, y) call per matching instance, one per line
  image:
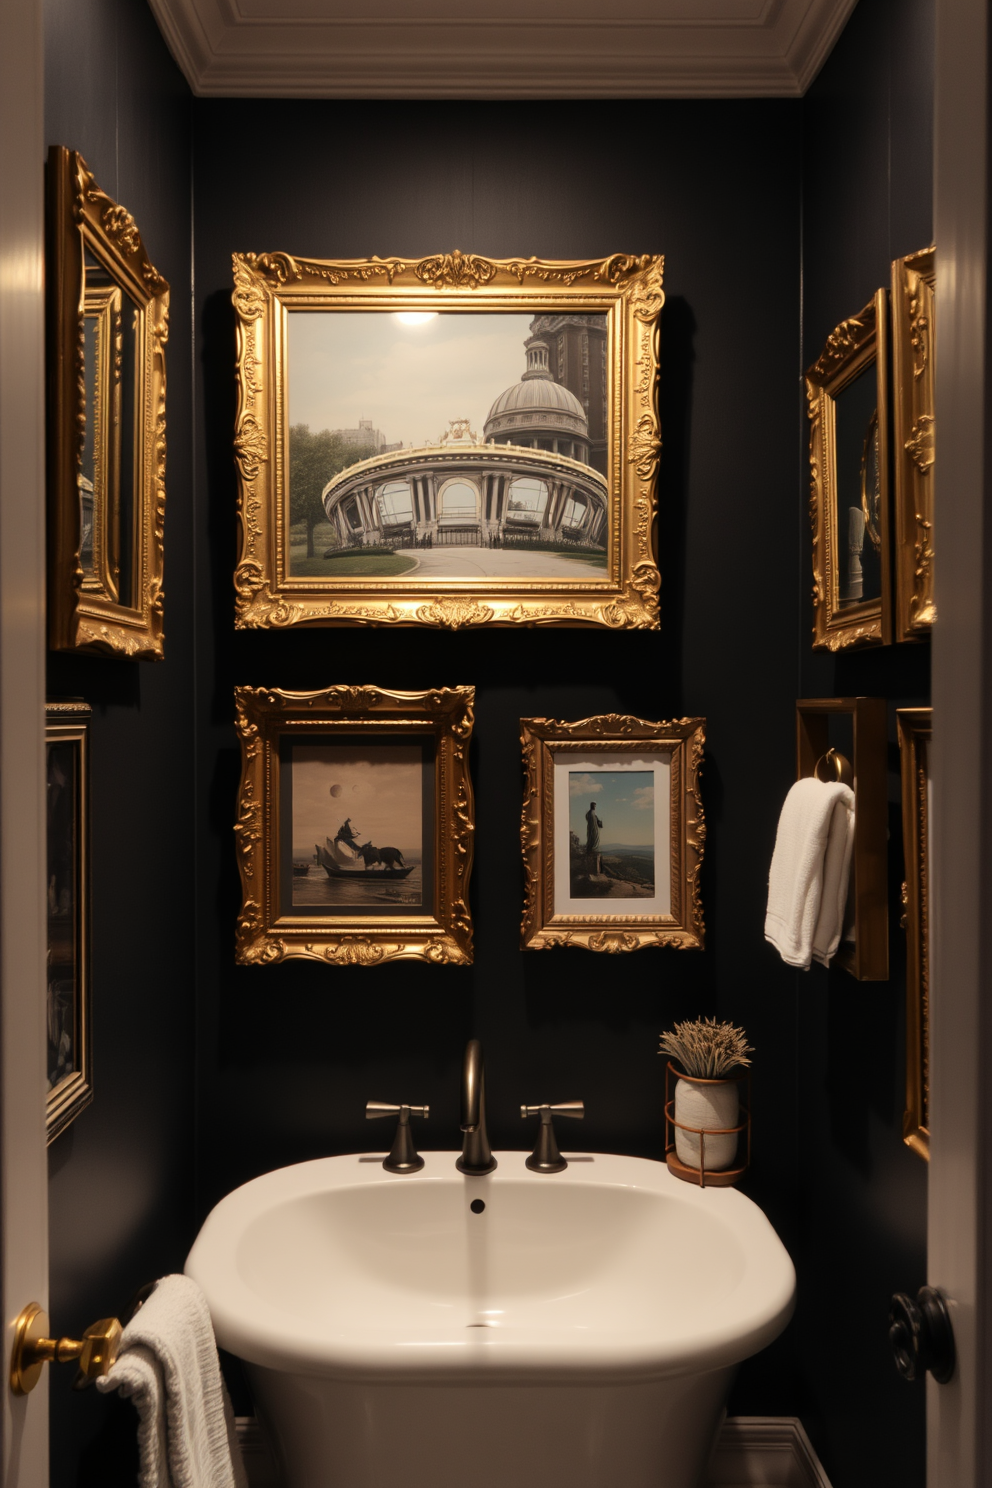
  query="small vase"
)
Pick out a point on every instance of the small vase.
point(707, 1105)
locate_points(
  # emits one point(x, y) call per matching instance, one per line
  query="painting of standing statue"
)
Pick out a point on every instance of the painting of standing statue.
point(448, 445)
point(358, 827)
point(611, 834)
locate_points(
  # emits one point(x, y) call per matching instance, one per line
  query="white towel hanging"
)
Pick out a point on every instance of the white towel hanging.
point(807, 883)
point(168, 1366)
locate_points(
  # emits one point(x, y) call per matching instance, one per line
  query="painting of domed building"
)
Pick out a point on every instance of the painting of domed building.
point(468, 444)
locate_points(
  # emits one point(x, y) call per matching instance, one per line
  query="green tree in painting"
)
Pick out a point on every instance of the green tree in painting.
point(313, 460)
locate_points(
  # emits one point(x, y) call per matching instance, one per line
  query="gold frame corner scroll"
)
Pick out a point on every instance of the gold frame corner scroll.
point(683, 741)
point(914, 726)
point(914, 304)
point(850, 348)
point(266, 932)
point(625, 289)
point(86, 612)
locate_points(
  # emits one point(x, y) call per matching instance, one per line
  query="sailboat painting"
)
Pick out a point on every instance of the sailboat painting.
point(357, 823)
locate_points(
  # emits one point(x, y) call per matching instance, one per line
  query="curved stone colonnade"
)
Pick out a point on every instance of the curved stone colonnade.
point(471, 494)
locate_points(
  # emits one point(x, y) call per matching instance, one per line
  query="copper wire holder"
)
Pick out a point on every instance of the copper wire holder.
point(712, 1177)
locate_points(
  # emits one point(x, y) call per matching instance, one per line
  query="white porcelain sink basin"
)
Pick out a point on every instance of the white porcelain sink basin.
point(355, 1295)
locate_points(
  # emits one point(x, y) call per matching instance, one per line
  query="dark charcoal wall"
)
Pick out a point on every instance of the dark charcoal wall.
point(867, 182)
point(760, 208)
point(121, 1176)
point(289, 1054)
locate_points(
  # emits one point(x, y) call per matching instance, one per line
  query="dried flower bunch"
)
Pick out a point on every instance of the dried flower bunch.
point(707, 1049)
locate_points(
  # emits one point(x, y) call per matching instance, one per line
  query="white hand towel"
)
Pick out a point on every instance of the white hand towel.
point(836, 873)
point(168, 1366)
point(796, 879)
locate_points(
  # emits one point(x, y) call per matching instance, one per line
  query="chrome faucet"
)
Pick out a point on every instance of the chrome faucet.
point(476, 1155)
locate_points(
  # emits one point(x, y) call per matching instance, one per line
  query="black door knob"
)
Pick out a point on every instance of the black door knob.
point(921, 1335)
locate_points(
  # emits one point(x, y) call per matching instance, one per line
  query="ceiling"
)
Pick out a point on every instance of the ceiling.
point(501, 48)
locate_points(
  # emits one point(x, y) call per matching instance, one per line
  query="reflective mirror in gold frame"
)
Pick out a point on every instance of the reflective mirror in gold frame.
point(847, 394)
point(108, 324)
point(914, 750)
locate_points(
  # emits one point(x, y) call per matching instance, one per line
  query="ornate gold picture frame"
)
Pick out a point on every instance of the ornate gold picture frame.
point(847, 397)
point(70, 1056)
point(108, 310)
point(374, 406)
point(612, 833)
point(914, 303)
point(914, 750)
point(355, 825)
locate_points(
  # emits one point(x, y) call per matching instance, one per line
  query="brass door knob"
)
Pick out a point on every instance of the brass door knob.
point(96, 1351)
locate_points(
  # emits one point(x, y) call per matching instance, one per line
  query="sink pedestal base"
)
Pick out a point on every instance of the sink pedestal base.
point(337, 1434)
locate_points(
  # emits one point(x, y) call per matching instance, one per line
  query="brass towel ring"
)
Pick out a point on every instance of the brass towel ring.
point(833, 766)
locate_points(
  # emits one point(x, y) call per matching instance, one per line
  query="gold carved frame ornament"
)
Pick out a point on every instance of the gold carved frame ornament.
point(914, 304)
point(86, 611)
point(914, 748)
point(626, 289)
point(546, 741)
point(266, 933)
point(851, 347)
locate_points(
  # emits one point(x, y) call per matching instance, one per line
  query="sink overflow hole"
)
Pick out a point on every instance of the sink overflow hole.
point(477, 1206)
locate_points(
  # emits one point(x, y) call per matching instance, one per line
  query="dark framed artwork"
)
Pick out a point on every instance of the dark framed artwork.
point(355, 825)
point(69, 1068)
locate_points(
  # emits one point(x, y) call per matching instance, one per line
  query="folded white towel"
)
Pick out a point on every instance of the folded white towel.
point(168, 1366)
point(817, 824)
point(836, 873)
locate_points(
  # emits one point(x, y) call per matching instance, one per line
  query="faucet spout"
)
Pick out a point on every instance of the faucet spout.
point(477, 1157)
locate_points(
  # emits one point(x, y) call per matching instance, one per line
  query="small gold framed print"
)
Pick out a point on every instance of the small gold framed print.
point(355, 825)
point(847, 397)
point(612, 833)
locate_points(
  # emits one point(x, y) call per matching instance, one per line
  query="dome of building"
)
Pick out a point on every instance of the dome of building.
point(528, 396)
point(539, 413)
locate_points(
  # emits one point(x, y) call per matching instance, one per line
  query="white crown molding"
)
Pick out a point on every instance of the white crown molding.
point(323, 49)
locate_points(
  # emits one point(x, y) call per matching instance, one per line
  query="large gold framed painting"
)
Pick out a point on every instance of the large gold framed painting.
point(452, 441)
point(355, 825)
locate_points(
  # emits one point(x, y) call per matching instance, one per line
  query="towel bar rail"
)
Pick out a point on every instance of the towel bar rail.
point(96, 1351)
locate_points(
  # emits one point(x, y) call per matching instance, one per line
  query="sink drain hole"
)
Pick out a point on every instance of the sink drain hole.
point(477, 1206)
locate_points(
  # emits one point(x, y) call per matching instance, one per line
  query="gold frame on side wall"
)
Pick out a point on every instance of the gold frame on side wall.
point(683, 741)
point(914, 304)
point(266, 933)
point(68, 723)
point(914, 745)
point(626, 289)
point(852, 347)
point(85, 611)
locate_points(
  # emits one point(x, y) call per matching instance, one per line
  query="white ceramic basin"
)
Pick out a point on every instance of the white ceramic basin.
point(334, 1276)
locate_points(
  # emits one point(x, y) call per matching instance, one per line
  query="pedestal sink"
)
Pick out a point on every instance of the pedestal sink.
point(516, 1330)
